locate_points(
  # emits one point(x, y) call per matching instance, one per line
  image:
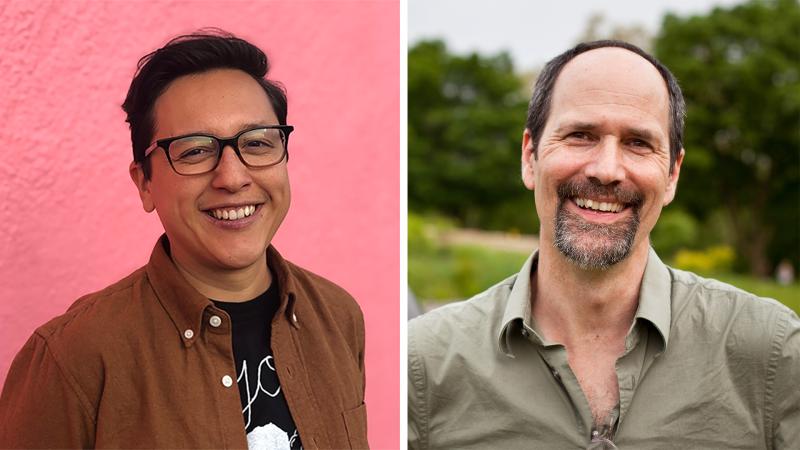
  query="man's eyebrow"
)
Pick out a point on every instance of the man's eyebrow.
point(572, 126)
point(240, 128)
point(252, 125)
point(641, 133)
point(255, 125)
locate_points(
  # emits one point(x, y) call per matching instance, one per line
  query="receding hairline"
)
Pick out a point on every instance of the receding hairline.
point(596, 53)
point(570, 67)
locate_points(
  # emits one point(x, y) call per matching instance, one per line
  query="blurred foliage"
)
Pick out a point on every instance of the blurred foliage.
point(418, 239)
point(449, 272)
point(465, 122)
point(675, 229)
point(713, 259)
point(425, 232)
point(739, 69)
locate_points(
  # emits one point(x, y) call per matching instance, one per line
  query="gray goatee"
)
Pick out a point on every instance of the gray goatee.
point(593, 246)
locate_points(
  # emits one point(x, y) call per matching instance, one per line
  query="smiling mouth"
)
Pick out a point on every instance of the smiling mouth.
point(596, 205)
point(590, 195)
point(239, 212)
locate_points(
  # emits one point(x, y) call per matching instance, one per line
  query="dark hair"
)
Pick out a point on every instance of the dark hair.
point(539, 106)
point(189, 54)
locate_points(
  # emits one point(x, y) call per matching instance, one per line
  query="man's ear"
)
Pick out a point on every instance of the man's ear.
point(143, 185)
point(528, 160)
point(672, 184)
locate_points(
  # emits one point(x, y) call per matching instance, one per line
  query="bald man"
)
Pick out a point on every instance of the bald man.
point(596, 343)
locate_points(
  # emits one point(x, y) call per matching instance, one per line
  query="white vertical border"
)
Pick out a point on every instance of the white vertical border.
point(403, 444)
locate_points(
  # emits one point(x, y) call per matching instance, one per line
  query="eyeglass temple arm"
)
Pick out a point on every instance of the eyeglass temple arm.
point(150, 149)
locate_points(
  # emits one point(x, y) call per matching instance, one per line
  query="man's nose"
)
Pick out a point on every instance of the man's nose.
point(231, 174)
point(606, 165)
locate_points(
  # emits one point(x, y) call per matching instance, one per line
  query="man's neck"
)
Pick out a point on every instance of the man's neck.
point(571, 305)
point(226, 285)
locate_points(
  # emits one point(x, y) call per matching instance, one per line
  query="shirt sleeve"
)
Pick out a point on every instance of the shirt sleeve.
point(41, 405)
point(787, 391)
point(361, 352)
point(417, 420)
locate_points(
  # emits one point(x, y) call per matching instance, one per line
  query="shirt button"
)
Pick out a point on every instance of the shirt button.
point(215, 321)
point(227, 381)
point(525, 332)
point(188, 334)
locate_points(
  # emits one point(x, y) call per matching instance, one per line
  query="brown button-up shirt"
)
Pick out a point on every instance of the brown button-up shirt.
point(139, 365)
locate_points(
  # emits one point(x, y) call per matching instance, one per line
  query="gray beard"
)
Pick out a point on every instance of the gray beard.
point(593, 246)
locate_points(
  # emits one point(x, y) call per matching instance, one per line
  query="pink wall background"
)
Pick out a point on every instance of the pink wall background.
point(71, 220)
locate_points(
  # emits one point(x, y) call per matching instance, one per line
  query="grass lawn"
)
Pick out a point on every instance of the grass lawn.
point(447, 273)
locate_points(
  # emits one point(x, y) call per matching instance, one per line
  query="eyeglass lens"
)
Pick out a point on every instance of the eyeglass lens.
point(198, 154)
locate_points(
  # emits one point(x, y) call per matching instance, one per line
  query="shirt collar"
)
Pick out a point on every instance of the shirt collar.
point(287, 285)
point(186, 306)
point(654, 301)
point(655, 296)
point(518, 306)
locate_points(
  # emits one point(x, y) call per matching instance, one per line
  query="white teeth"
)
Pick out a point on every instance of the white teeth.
point(233, 214)
point(599, 206)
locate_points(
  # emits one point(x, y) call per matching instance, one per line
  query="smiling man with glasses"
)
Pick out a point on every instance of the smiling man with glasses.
point(154, 361)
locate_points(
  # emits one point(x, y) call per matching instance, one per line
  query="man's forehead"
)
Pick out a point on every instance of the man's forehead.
point(611, 69)
point(221, 102)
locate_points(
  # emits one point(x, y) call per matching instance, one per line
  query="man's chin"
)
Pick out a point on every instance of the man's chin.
point(594, 255)
point(240, 260)
point(593, 246)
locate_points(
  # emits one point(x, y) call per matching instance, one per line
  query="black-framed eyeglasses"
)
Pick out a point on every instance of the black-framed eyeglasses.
point(194, 154)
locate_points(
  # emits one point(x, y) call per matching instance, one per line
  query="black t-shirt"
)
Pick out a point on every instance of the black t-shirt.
point(263, 404)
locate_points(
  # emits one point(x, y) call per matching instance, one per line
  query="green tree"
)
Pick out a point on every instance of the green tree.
point(739, 68)
point(465, 120)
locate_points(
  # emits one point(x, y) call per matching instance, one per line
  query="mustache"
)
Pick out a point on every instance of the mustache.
point(590, 188)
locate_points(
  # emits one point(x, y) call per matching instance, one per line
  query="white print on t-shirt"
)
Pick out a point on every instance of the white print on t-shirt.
point(268, 437)
point(293, 438)
point(252, 396)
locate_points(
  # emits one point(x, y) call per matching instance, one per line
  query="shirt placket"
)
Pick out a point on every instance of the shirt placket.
point(555, 357)
point(216, 329)
point(294, 378)
point(629, 369)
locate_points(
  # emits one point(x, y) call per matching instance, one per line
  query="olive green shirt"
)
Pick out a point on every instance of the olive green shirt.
point(706, 366)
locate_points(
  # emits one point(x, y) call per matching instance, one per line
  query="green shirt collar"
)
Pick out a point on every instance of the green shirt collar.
point(655, 296)
point(654, 301)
